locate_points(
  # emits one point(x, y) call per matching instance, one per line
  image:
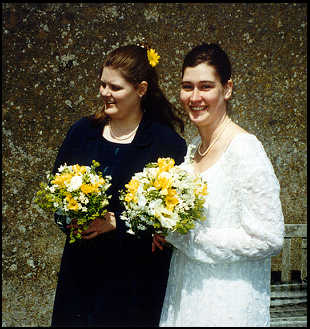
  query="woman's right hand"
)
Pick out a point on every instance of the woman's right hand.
point(100, 225)
point(158, 242)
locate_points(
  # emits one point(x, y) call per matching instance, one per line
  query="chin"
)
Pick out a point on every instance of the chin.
point(198, 118)
point(111, 111)
point(197, 123)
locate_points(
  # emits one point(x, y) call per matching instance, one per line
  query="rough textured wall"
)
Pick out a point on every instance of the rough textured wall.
point(51, 57)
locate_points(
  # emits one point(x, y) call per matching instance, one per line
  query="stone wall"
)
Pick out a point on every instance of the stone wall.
point(52, 53)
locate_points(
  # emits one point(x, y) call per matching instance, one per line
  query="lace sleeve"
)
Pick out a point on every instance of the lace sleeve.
point(256, 208)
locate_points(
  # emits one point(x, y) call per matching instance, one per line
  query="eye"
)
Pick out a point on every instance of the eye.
point(115, 87)
point(186, 86)
point(205, 87)
point(111, 86)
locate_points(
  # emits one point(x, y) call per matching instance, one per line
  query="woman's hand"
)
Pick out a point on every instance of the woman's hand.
point(158, 242)
point(100, 225)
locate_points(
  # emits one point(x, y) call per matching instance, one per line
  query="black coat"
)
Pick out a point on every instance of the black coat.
point(114, 279)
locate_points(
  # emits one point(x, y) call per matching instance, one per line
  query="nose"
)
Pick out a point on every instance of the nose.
point(195, 96)
point(105, 91)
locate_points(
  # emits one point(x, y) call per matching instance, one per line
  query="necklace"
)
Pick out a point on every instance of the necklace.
point(224, 125)
point(112, 134)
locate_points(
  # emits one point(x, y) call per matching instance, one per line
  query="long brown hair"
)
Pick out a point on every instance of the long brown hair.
point(133, 64)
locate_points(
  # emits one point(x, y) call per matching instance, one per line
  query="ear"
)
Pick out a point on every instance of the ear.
point(228, 89)
point(142, 88)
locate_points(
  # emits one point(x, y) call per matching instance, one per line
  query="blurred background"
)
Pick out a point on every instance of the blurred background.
point(52, 53)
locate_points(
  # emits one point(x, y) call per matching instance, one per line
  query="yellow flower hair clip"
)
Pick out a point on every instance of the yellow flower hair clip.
point(153, 57)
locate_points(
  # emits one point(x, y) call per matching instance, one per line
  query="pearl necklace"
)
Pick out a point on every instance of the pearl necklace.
point(224, 125)
point(112, 134)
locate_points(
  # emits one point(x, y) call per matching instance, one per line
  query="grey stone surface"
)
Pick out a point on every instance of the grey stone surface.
point(51, 57)
point(288, 307)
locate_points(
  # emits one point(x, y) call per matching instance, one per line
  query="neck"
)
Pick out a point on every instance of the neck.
point(127, 124)
point(209, 132)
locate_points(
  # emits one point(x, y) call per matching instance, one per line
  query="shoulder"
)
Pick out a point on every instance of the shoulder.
point(248, 154)
point(245, 144)
point(164, 133)
point(82, 127)
point(167, 142)
point(83, 123)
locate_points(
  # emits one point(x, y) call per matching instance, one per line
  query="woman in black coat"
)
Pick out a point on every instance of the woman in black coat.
point(112, 278)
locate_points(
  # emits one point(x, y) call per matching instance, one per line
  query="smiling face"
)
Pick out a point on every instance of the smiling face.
point(122, 98)
point(203, 95)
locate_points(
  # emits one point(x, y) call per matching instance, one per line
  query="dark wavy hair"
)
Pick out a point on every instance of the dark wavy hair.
point(132, 62)
point(211, 54)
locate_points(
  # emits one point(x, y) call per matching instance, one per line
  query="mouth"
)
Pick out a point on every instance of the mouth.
point(109, 103)
point(198, 108)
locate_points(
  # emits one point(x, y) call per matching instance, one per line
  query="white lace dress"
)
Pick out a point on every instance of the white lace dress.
point(220, 271)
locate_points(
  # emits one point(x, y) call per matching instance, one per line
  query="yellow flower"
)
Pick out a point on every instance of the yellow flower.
point(101, 181)
point(96, 187)
point(133, 185)
point(68, 196)
point(87, 188)
point(202, 190)
point(165, 164)
point(128, 197)
point(153, 57)
point(77, 169)
point(171, 200)
point(163, 182)
point(73, 205)
point(132, 188)
point(131, 197)
point(61, 179)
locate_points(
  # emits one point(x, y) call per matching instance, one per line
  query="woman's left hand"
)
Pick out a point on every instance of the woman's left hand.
point(100, 225)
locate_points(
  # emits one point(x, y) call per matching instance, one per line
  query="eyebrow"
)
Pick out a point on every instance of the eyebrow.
point(111, 83)
point(203, 81)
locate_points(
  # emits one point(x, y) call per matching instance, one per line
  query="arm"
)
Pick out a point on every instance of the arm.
point(170, 144)
point(257, 203)
point(64, 151)
point(180, 152)
point(63, 156)
point(176, 149)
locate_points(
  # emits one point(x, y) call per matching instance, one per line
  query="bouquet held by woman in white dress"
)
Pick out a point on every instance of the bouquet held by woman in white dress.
point(163, 198)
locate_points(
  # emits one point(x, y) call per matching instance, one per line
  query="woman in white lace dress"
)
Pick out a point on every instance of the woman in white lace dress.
point(220, 271)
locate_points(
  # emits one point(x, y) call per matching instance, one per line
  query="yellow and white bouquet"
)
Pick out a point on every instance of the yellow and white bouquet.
point(162, 198)
point(77, 194)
